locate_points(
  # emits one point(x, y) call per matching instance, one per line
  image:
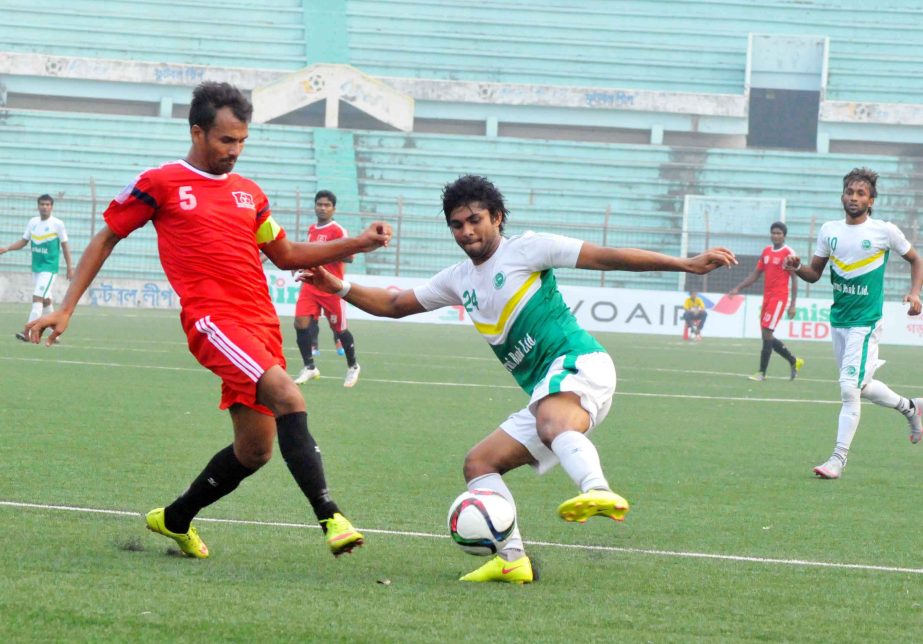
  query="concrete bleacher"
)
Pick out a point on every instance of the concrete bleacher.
point(568, 187)
point(268, 34)
point(62, 154)
point(662, 45)
point(620, 194)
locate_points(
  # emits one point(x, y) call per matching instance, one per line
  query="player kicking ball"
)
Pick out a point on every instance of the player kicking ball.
point(508, 288)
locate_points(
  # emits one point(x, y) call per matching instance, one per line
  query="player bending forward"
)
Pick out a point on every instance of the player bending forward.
point(508, 287)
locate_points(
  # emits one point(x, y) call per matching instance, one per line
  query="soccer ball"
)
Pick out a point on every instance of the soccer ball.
point(481, 521)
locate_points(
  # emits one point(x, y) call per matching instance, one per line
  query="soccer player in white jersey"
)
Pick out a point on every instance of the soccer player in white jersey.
point(858, 248)
point(48, 239)
point(508, 288)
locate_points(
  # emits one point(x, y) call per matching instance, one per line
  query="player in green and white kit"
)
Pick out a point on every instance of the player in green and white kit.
point(858, 248)
point(508, 288)
point(49, 240)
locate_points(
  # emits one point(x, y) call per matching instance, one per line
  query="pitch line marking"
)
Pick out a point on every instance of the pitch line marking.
point(472, 385)
point(549, 544)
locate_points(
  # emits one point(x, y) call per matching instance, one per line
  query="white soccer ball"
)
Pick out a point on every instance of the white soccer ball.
point(481, 521)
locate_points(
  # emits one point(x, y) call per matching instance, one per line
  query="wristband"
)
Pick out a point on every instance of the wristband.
point(345, 289)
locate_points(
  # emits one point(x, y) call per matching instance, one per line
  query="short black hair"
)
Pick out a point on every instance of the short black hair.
point(209, 97)
point(867, 175)
point(472, 188)
point(45, 197)
point(326, 193)
point(780, 226)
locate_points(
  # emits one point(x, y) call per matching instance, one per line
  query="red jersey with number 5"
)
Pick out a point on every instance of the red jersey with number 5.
point(776, 279)
point(209, 232)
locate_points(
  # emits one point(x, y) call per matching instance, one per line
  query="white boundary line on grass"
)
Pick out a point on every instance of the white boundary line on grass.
point(473, 385)
point(427, 535)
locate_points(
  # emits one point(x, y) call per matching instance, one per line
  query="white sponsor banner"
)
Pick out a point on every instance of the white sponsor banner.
point(615, 310)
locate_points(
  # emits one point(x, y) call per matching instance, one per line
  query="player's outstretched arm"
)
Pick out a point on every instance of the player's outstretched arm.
point(95, 255)
point(286, 254)
point(750, 279)
point(916, 281)
point(16, 245)
point(604, 258)
point(382, 302)
point(810, 273)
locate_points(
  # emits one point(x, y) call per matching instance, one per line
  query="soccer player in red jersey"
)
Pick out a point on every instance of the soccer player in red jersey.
point(775, 298)
point(312, 302)
point(211, 226)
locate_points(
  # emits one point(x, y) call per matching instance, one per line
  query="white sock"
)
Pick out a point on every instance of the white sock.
point(580, 460)
point(36, 311)
point(880, 394)
point(48, 309)
point(514, 548)
point(849, 421)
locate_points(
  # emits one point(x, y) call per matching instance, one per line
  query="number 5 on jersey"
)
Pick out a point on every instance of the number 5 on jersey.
point(187, 200)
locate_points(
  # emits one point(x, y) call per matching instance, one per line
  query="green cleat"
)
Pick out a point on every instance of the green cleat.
point(590, 504)
point(342, 537)
point(498, 569)
point(190, 543)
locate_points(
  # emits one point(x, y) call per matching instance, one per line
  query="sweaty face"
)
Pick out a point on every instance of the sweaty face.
point(222, 144)
point(475, 230)
point(857, 199)
point(324, 210)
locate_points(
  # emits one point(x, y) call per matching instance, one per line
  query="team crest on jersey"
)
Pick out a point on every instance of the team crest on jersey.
point(499, 281)
point(866, 244)
point(244, 200)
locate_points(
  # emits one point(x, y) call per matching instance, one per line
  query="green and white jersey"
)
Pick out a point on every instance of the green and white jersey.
point(858, 256)
point(46, 237)
point(514, 302)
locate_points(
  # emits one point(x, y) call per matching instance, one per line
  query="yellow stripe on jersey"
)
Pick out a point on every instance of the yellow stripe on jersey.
point(39, 238)
point(494, 329)
point(846, 268)
point(268, 231)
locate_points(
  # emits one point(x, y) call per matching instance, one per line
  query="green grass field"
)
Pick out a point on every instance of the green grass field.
point(730, 536)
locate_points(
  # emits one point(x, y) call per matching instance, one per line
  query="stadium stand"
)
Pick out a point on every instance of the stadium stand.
point(596, 118)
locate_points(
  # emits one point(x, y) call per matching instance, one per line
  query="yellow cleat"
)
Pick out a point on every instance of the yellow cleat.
point(799, 363)
point(593, 503)
point(342, 537)
point(190, 543)
point(498, 569)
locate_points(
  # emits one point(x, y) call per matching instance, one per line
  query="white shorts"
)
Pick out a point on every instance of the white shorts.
point(41, 285)
point(591, 376)
point(856, 352)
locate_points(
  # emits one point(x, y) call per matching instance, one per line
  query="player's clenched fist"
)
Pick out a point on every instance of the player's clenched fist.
point(378, 234)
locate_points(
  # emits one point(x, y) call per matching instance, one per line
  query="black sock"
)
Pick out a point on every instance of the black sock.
point(782, 350)
point(303, 337)
point(220, 477)
point(765, 354)
point(349, 346)
point(302, 456)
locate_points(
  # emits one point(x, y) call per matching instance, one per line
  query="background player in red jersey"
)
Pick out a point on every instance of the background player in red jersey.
point(312, 302)
point(211, 226)
point(775, 297)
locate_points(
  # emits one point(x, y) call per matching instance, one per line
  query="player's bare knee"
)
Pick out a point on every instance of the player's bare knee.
point(476, 465)
point(253, 456)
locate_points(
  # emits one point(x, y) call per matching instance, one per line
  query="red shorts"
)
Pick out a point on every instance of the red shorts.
point(772, 312)
point(313, 303)
point(237, 353)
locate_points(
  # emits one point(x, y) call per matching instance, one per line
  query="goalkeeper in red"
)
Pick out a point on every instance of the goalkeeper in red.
point(211, 226)
point(507, 286)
